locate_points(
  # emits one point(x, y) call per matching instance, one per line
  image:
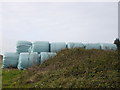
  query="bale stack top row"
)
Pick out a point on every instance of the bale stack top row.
point(28, 54)
point(45, 46)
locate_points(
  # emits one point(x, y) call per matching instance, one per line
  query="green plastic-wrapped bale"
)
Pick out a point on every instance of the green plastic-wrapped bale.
point(10, 59)
point(75, 45)
point(108, 46)
point(57, 46)
point(34, 59)
point(23, 62)
point(23, 46)
point(27, 60)
point(92, 46)
point(46, 55)
point(40, 46)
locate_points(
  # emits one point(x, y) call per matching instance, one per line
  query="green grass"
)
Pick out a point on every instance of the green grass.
point(8, 76)
point(74, 68)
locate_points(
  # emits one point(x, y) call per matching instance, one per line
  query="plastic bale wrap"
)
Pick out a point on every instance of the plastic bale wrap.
point(57, 46)
point(23, 46)
point(92, 46)
point(75, 45)
point(40, 46)
point(23, 62)
point(46, 55)
point(10, 59)
point(27, 60)
point(33, 59)
point(108, 46)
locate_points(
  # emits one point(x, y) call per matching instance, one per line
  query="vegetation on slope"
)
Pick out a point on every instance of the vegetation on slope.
point(73, 68)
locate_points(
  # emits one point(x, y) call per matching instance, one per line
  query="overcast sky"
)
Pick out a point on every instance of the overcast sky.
point(89, 22)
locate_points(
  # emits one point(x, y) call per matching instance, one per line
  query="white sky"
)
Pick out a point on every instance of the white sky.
point(89, 22)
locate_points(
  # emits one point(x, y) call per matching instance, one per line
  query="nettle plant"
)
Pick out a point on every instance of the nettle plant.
point(117, 42)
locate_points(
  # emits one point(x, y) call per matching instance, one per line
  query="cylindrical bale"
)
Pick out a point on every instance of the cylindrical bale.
point(75, 45)
point(27, 60)
point(92, 46)
point(108, 46)
point(10, 59)
point(46, 55)
point(33, 59)
point(57, 46)
point(40, 46)
point(23, 46)
point(23, 62)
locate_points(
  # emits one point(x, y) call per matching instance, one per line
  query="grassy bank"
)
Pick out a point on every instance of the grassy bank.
point(74, 68)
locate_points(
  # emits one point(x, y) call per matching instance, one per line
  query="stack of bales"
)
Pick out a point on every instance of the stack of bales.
point(29, 54)
point(54, 47)
point(39, 52)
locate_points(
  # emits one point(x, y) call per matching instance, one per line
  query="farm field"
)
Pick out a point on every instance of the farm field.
point(71, 68)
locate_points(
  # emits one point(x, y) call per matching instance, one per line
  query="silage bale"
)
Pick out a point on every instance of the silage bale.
point(23, 46)
point(75, 45)
point(92, 46)
point(40, 46)
point(57, 46)
point(27, 60)
point(33, 59)
point(46, 55)
point(10, 59)
point(108, 46)
point(23, 62)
